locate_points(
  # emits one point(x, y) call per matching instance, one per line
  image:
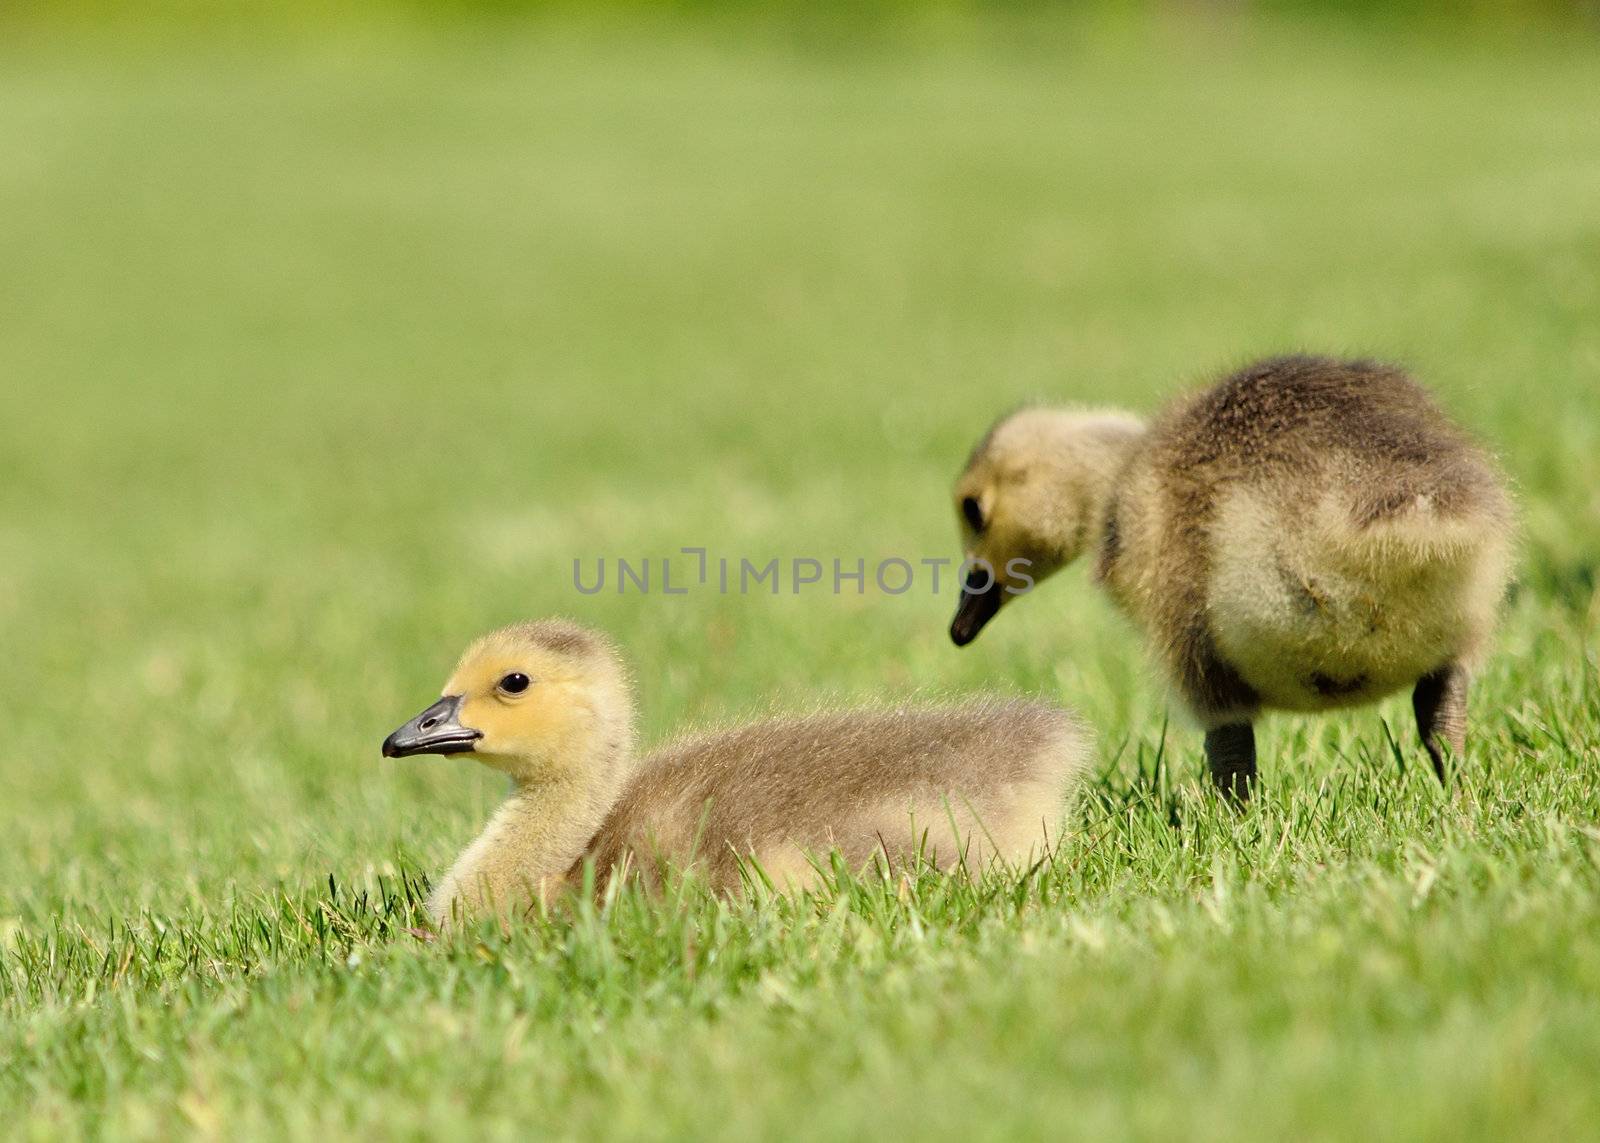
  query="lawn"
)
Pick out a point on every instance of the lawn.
point(324, 352)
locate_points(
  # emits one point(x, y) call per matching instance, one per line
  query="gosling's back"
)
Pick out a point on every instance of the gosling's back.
point(1294, 423)
point(963, 783)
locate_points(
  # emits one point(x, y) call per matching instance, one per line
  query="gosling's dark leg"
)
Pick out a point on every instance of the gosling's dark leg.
point(1231, 750)
point(1440, 701)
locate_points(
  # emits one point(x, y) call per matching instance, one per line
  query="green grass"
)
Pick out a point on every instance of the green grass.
point(322, 356)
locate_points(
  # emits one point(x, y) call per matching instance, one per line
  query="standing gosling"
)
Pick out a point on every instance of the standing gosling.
point(550, 704)
point(1306, 534)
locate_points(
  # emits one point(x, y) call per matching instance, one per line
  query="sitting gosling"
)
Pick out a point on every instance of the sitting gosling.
point(549, 703)
point(1306, 534)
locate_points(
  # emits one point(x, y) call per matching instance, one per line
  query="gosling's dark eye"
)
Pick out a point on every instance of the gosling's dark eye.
point(973, 513)
point(514, 683)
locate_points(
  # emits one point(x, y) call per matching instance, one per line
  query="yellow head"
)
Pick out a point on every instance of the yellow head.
point(535, 700)
point(1030, 501)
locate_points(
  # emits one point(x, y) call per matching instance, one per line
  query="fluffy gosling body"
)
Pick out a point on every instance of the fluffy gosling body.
point(550, 704)
point(1308, 533)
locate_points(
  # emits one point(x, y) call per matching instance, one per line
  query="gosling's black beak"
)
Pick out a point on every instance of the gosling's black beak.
point(437, 730)
point(981, 598)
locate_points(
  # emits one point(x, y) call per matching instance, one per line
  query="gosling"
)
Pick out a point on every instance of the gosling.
point(550, 704)
point(1308, 533)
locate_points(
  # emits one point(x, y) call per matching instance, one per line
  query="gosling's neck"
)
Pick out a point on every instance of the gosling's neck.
point(1109, 473)
point(1091, 452)
point(540, 831)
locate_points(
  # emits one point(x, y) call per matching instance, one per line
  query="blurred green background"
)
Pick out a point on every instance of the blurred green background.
point(329, 338)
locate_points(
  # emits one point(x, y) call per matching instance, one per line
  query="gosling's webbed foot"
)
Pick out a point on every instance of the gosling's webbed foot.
point(1440, 702)
point(1231, 751)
